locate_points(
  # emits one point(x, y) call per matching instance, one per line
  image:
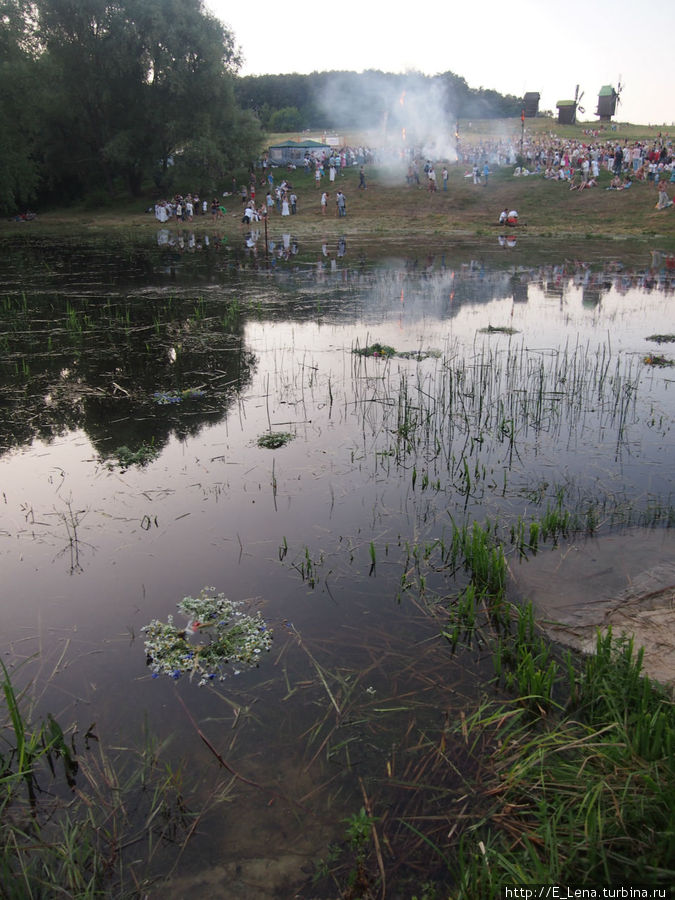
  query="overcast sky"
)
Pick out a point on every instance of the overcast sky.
point(529, 45)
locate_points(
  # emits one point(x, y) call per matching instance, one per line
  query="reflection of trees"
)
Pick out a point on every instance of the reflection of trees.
point(89, 332)
point(95, 365)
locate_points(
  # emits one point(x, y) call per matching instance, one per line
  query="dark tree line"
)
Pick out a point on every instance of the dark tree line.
point(362, 100)
point(103, 97)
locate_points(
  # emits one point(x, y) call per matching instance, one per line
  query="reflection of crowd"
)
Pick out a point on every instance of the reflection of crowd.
point(555, 279)
point(552, 279)
point(612, 275)
point(189, 241)
point(285, 249)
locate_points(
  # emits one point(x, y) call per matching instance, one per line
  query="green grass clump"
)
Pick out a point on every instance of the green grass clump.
point(272, 440)
point(576, 773)
point(80, 824)
point(585, 793)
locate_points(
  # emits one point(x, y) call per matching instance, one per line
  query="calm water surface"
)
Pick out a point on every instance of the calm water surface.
point(386, 453)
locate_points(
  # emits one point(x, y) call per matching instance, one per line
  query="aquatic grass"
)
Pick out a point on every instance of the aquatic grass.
point(122, 350)
point(29, 749)
point(523, 658)
point(580, 763)
point(307, 566)
point(582, 796)
point(467, 421)
point(82, 823)
point(476, 549)
point(231, 317)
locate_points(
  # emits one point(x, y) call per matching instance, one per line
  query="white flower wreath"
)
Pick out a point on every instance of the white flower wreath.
point(218, 639)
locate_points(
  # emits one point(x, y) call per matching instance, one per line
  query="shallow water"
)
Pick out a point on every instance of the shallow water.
point(327, 534)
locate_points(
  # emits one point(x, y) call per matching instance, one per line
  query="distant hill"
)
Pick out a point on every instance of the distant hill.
point(365, 99)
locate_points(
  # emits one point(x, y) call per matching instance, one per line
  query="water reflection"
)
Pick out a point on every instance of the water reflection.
point(99, 338)
point(510, 388)
point(74, 363)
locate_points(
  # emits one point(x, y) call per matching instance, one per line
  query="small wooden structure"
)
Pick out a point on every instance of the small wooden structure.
point(531, 104)
point(567, 112)
point(607, 99)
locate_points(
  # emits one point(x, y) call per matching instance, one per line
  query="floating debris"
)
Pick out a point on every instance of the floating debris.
point(218, 639)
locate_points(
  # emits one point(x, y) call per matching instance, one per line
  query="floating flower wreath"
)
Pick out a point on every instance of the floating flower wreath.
point(218, 638)
point(163, 398)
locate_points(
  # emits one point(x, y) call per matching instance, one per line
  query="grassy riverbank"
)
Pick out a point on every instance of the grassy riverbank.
point(390, 209)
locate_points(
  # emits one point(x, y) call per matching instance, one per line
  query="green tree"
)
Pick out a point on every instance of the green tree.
point(19, 166)
point(287, 119)
point(134, 84)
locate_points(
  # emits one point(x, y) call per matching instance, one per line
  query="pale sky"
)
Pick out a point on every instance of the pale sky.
point(529, 45)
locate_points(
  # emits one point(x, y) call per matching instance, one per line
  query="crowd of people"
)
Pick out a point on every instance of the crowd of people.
point(184, 208)
point(577, 163)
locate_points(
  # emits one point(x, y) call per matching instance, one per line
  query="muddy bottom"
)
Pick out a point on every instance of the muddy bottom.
point(257, 878)
point(623, 580)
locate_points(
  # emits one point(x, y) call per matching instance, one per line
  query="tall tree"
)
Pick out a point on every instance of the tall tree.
point(19, 167)
point(134, 83)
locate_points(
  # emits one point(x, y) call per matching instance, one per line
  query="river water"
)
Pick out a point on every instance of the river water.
point(515, 386)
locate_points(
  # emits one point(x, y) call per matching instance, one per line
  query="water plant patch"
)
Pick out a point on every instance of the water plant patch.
point(419, 355)
point(654, 359)
point(384, 351)
point(661, 338)
point(218, 639)
point(124, 457)
point(272, 440)
point(498, 329)
point(376, 350)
